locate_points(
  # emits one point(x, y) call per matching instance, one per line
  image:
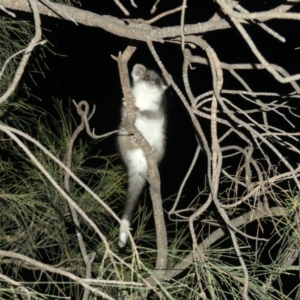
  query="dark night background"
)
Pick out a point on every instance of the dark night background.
point(84, 70)
point(81, 68)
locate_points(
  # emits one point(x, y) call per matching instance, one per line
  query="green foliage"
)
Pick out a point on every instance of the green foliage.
point(36, 221)
point(35, 218)
point(14, 37)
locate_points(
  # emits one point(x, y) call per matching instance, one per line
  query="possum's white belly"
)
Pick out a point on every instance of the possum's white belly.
point(137, 161)
point(153, 132)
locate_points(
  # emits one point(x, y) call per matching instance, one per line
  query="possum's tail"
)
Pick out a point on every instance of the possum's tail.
point(136, 183)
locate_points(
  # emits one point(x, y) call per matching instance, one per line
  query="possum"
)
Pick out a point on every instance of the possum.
point(148, 95)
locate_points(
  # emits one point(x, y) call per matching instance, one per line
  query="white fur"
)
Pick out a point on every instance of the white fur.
point(147, 96)
point(138, 161)
point(124, 230)
point(153, 132)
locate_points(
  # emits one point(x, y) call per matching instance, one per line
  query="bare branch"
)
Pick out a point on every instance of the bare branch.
point(154, 179)
point(33, 43)
point(120, 5)
point(54, 270)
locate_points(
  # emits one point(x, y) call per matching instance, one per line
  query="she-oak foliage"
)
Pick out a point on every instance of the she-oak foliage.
point(237, 239)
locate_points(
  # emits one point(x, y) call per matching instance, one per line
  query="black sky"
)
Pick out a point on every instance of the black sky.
point(82, 69)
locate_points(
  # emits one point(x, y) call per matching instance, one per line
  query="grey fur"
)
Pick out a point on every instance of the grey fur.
point(148, 94)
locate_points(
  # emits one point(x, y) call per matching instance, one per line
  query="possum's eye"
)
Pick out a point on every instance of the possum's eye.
point(147, 77)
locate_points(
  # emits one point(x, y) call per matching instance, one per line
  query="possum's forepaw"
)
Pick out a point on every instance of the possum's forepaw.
point(153, 151)
point(134, 110)
point(124, 102)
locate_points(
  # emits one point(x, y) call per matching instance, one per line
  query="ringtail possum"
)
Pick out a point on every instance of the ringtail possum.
point(148, 95)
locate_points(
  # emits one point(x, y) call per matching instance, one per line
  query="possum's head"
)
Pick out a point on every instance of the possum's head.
point(148, 88)
point(152, 81)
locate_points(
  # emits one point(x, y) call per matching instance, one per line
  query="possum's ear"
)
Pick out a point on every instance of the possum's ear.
point(138, 72)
